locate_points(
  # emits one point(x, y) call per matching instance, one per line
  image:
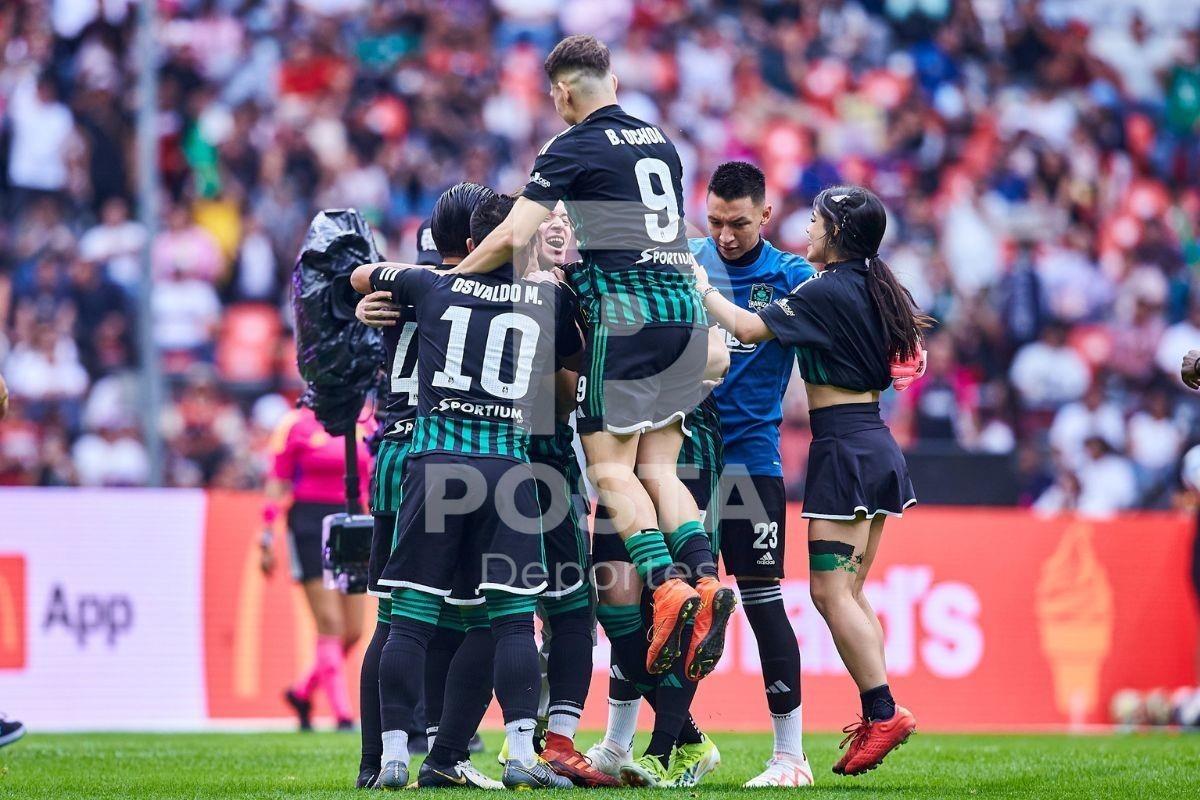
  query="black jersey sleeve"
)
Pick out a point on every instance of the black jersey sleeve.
point(407, 284)
point(554, 171)
point(795, 319)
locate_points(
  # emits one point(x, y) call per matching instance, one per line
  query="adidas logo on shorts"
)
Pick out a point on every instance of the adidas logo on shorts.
point(766, 560)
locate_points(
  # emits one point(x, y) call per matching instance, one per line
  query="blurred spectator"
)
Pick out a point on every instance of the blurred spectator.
point(1156, 438)
point(1040, 163)
point(1089, 417)
point(1048, 372)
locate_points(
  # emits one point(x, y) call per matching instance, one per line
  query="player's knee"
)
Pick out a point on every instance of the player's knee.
point(329, 623)
point(826, 594)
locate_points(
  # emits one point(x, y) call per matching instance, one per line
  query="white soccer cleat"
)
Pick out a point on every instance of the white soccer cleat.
point(783, 770)
point(476, 778)
point(608, 760)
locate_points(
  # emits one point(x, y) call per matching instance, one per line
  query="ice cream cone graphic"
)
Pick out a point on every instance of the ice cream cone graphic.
point(1075, 618)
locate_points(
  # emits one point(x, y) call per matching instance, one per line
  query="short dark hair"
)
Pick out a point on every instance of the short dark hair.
point(734, 180)
point(450, 222)
point(582, 53)
point(490, 213)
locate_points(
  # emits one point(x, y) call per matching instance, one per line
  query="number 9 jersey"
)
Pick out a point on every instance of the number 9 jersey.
point(620, 179)
point(488, 349)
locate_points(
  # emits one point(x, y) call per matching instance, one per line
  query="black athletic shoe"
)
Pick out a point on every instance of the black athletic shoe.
point(345, 725)
point(367, 778)
point(476, 745)
point(462, 775)
point(10, 731)
point(302, 707)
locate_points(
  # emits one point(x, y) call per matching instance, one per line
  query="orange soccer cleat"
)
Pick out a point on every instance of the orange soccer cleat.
point(871, 740)
point(563, 758)
point(717, 603)
point(675, 603)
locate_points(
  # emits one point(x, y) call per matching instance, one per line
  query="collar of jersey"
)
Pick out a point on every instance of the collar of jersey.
point(602, 111)
point(856, 264)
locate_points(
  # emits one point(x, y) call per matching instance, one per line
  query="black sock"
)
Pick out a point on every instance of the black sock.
point(690, 732)
point(468, 693)
point(570, 661)
point(517, 672)
point(696, 555)
point(778, 651)
point(619, 688)
point(368, 699)
point(442, 647)
point(402, 672)
point(877, 703)
point(673, 699)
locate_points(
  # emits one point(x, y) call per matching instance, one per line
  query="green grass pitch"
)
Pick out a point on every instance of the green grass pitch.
point(323, 765)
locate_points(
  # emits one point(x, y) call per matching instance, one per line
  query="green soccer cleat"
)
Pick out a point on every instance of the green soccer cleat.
point(691, 762)
point(647, 772)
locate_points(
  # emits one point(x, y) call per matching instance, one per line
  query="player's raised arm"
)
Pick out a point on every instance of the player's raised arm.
point(498, 246)
point(746, 326)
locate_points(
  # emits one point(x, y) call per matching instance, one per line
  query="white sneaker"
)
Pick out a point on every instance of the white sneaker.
point(783, 770)
point(476, 778)
point(608, 760)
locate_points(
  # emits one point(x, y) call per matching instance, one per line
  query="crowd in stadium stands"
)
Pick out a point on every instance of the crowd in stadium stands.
point(1040, 162)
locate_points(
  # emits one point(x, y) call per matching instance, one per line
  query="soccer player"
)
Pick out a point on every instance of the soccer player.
point(468, 527)
point(849, 322)
point(442, 241)
point(620, 179)
point(751, 272)
point(309, 466)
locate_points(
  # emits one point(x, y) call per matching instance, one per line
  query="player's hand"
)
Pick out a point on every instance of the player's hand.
point(1189, 371)
point(905, 372)
point(701, 276)
point(376, 310)
point(266, 560)
point(542, 276)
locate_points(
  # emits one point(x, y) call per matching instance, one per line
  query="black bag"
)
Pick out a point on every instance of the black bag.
point(338, 357)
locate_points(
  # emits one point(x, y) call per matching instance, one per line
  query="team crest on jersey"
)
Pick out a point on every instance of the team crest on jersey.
point(760, 296)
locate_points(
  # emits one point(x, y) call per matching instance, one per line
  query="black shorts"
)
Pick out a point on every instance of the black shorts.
point(753, 525)
point(466, 524)
point(382, 538)
point(640, 380)
point(564, 532)
point(304, 537)
point(606, 542)
point(855, 467)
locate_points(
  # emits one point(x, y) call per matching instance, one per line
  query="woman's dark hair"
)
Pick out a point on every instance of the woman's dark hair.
point(450, 222)
point(854, 224)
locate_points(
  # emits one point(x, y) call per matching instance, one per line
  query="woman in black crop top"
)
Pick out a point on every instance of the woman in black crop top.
point(853, 326)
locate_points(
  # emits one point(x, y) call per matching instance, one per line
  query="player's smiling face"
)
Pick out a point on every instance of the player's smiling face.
point(735, 225)
point(554, 238)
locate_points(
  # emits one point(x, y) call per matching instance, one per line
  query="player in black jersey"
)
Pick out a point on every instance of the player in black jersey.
point(621, 181)
point(469, 522)
point(447, 231)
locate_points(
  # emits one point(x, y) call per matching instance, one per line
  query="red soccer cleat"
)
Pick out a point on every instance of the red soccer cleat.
point(871, 740)
point(675, 603)
point(562, 757)
point(717, 603)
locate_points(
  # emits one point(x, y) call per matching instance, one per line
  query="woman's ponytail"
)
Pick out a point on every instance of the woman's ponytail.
point(857, 220)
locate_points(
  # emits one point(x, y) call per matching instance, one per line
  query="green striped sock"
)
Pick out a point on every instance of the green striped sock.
point(503, 604)
point(686, 531)
point(580, 598)
point(450, 618)
point(650, 555)
point(474, 617)
point(416, 605)
point(619, 621)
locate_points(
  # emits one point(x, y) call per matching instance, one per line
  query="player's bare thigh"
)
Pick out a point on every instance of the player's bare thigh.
point(612, 459)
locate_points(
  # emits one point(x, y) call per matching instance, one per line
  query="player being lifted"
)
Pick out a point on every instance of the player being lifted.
point(620, 179)
point(443, 241)
point(468, 527)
